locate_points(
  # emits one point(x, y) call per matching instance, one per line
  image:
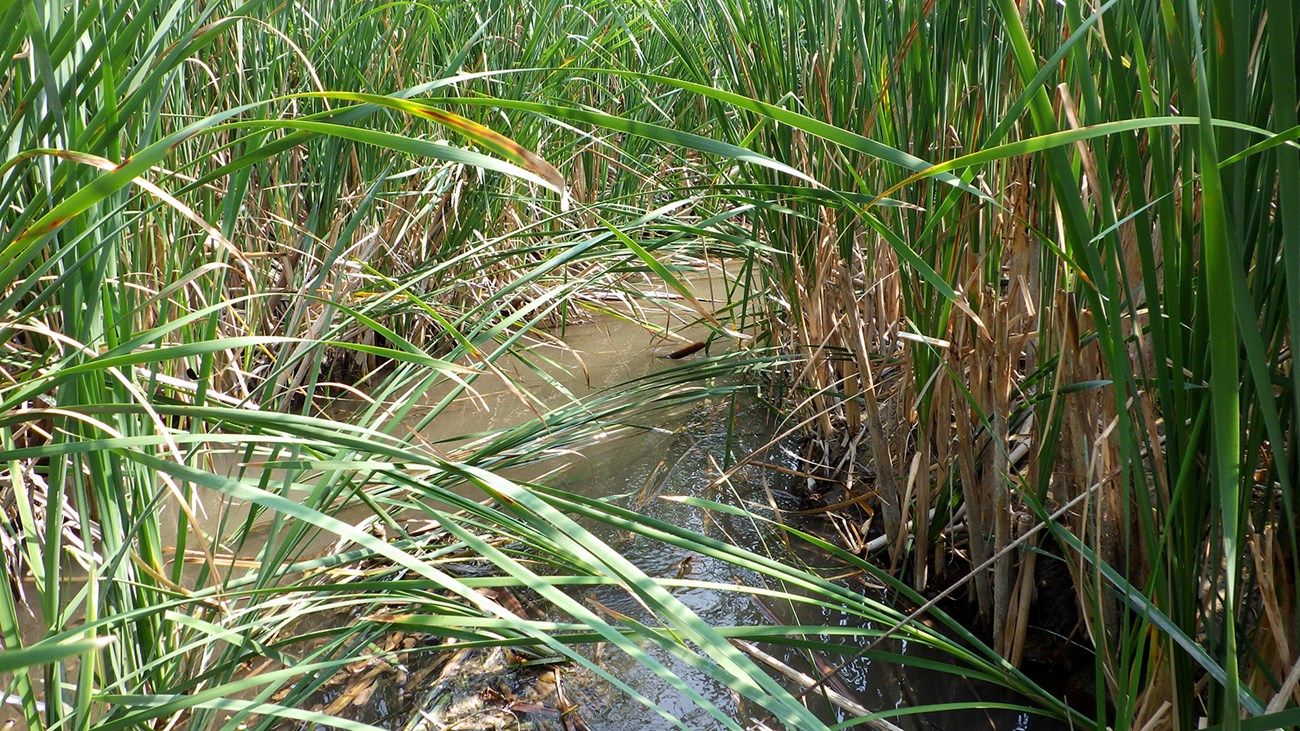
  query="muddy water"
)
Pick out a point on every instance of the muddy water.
point(681, 452)
point(682, 455)
point(686, 462)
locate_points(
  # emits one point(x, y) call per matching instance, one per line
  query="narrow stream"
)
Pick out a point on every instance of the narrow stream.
point(684, 454)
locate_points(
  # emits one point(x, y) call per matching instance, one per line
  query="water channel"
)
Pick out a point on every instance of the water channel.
point(683, 451)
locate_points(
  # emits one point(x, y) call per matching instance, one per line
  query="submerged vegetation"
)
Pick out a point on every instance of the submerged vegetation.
point(1019, 271)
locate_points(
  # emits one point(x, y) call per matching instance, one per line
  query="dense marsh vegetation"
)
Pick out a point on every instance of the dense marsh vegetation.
point(1021, 269)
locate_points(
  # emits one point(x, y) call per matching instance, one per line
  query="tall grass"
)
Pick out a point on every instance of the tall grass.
point(1023, 267)
point(1096, 308)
